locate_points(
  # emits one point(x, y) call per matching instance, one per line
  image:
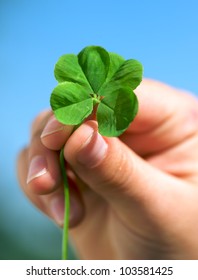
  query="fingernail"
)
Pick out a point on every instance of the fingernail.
point(51, 127)
point(37, 168)
point(57, 208)
point(94, 149)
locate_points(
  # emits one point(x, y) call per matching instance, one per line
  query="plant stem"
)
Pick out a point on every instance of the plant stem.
point(66, 214)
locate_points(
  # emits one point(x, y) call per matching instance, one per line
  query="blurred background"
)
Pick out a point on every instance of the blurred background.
point(162, 34)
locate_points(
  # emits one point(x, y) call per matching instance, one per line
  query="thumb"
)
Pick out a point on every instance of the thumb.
point(113, 170)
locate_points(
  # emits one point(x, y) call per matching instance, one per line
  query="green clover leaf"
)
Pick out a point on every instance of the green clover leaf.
point(71, 103)
point(96, 76)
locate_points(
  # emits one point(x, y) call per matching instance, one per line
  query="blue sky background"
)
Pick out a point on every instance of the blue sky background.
point(163, 35)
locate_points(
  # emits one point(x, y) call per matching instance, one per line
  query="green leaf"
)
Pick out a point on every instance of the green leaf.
point(68, 69)
point(71, 103)
point(115, 62)
point(94, 62)
point(116, 111)
point(129, 74)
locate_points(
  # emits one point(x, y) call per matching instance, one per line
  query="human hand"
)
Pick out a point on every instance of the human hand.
point(132, 197)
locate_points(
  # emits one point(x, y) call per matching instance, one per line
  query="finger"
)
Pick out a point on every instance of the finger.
point(22, 170)
point(166, 117)
point(156, 104)
point(43, 170)
point(180, 160)
point(116, 173)
point(55, 134)
point(52, 204)
point(40, 178)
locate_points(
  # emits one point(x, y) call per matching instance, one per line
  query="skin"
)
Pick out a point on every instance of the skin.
point(132, 197)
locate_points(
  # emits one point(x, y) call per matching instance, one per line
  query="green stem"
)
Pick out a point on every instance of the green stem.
point(66, 214)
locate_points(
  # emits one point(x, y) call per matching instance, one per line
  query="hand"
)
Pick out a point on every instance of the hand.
point(133, 197)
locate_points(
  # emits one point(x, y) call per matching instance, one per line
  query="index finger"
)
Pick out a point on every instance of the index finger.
point(166, 117)
point(156, 103)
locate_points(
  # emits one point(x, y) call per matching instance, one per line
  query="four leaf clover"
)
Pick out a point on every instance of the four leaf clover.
point(98, 78)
